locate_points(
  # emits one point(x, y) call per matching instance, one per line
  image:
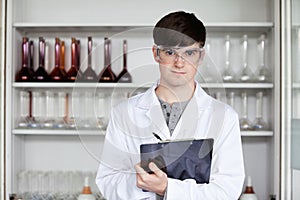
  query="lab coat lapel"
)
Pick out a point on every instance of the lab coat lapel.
point(153, 112)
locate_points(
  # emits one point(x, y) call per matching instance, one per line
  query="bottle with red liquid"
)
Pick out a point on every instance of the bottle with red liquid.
point(249, 193)
point(24, 74)
point(73, 71)
point(31, 57)
point(40, 75)
point(107, 75)
point(89, 74)
point(57, 75)
point(124, 76)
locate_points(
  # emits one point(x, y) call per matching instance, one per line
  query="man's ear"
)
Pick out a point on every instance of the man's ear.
point(154, 51)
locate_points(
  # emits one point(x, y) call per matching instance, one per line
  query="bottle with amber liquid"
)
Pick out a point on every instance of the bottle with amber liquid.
point(73, 71)
point(24, 74)
point(62, 58)
point(107, 75)
point(56, 74)
point(40, 75)
point(249, 193)
point(124, 76)
point(89, 74)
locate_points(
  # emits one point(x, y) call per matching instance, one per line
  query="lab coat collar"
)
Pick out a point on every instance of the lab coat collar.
point(149, 99)
point(185, 127)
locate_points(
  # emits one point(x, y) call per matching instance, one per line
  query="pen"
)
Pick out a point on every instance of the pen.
point(157, 136)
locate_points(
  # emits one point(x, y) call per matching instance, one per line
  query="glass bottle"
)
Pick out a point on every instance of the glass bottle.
point(124, 76)
point(205, 72)
point(246, 74)
point(48, 122)
point(259, 123)
point(107, 75)
point(73, 71)
point(37, 116)
point(89, 121)
point(89, 74)
point(57, 74)
point(249, 192)
point(24, 120)
point(24, 74)
point(40, 74)
point(244, 121)
point(61, 111)
point(263, 74)
point(101, 111)
point(31, 57)
point(78, 63)
point(231, 99)
point(228, 74)
point(62, 58)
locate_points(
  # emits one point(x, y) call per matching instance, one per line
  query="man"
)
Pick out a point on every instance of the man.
point(174, 108)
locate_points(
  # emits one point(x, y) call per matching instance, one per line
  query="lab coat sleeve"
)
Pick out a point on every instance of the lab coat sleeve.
point(227, 172)
point(116, 177)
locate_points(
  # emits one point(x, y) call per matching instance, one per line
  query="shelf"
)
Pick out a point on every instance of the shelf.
point(237, 85)
point(132, 85)
point(61, 27)
point(102, 132)
point(257, 133)
point(58, 132)
point(79, 85)
point(296, 85)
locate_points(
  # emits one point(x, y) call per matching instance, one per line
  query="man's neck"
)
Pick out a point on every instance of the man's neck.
point(175, 94)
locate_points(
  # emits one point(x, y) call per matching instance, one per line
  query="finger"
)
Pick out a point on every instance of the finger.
point(153, 167)
point(139, 169)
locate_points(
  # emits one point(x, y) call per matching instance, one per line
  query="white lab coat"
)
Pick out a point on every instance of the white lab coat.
point(132, 123)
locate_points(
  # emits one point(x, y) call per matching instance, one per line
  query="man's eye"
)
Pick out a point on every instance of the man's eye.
point(190, 52)
point(169, 52)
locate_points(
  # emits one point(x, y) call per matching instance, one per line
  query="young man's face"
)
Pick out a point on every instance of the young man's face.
point(178, 66)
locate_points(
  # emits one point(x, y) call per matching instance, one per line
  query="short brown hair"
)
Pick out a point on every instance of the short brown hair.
point(179, 29)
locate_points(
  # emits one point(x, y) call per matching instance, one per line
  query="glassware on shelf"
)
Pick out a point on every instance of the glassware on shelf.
point(124, 76)
point(37, 109)
point(78, 63)
point(24, 119)
point(49, 119)
point(205, 72)
point(40, 74)
point(89, 75)
point(263, 74)
point(107, 75)
point(31, 57)
point(74, 113)
point(57, 74)
point(73, 71)
point(246, 74)
point(101, 110)
point(244, 121)
point(24, 74)
point(89, 120)
point(231, 99)
point(228, 75)
point(259, 123)
point(60, 117)
point(62, 58)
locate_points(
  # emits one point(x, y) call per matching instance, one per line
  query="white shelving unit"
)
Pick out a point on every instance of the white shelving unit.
point(26, 147)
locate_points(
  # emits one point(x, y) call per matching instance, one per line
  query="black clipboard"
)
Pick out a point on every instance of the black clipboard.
point(184, 159)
